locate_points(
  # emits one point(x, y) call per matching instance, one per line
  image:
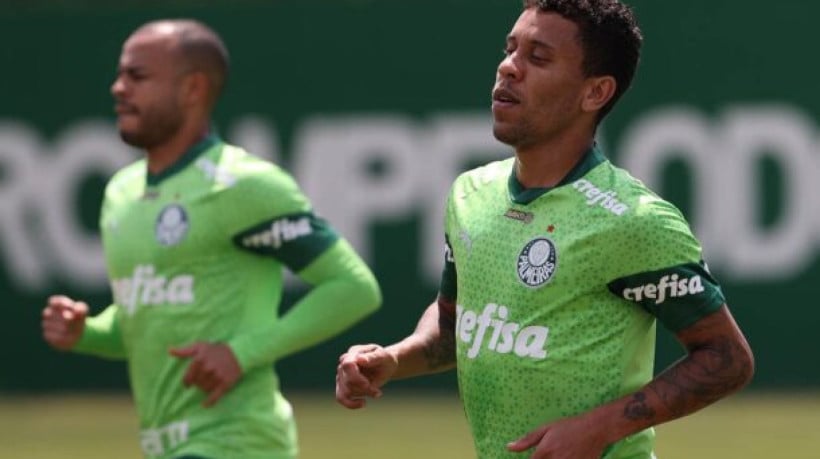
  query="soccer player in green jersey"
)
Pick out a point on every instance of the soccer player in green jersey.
point(558, 266)
point(196, 235)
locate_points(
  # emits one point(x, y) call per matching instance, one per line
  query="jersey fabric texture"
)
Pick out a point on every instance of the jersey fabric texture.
point(196, 254)
point(558, 291)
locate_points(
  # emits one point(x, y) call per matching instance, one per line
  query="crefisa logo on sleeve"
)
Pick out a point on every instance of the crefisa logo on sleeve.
point(172, 225)
point(537, 262)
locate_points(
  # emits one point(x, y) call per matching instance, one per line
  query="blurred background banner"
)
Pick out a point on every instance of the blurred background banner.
point(375, 107)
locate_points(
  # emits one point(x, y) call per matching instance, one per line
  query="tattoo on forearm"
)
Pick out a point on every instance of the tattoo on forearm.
point(638, 408)
point(704, 376)
point(442, 352)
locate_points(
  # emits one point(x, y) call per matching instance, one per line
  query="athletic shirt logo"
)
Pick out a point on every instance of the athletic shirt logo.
point(537, 262)
point(172, 225)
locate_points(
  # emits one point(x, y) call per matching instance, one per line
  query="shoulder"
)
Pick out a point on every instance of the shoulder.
point(614, 191)
point(643, 230)
point(647, 209)
point(127, 181)
point(482, 177)
point(254, 185)
point(249, 172)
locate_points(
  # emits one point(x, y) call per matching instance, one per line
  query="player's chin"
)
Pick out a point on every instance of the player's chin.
point(504, 133)
point(131, 135)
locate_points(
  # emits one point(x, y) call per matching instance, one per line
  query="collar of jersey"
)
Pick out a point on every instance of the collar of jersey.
point(521, 195)
point(187, 158)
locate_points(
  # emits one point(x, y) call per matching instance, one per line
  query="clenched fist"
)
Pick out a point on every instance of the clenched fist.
point(361, 373)
point(63, 322)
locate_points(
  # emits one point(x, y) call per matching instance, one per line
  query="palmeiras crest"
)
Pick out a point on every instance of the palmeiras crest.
point(172, 225)
point(537, 262)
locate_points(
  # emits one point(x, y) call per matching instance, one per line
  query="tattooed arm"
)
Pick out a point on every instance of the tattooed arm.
point(432, 346)
point(719, 362)
point(364, 369)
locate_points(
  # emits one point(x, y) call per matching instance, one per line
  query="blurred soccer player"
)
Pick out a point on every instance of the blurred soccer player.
point(195, 236)
point(558, 264)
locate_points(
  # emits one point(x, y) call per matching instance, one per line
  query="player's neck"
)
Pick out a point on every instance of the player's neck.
point(545, 164)
point(165, 155)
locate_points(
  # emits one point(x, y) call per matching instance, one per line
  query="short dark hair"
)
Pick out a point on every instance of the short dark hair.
point(609, 36)
point(201, 49)
point(205, 51)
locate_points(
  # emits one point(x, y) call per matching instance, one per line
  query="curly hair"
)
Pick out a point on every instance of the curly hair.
point(609, 36)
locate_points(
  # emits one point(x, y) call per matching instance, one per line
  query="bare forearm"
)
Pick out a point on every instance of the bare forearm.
point(711, 371)
point(705, 376)
point(700, 379)
point(431, 348)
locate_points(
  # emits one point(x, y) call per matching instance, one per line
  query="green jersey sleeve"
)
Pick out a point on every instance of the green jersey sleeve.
point(449, 277)
point(101, 336)
point(344, 291)
point(263, 190)
point(658, 265)
point(275, 219)
point(295, 239)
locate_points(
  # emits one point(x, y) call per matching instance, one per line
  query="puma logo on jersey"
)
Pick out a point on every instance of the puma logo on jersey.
point(216, 173)
point(667, 287)
point(490, 330)
point(606, 199)
point(144, 288)
point(280, 231)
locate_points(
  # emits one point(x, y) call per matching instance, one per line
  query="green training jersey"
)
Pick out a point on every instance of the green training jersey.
point(557, 293)
point(196, 254)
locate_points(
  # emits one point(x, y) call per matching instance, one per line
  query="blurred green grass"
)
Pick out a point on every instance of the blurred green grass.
point(404, 426)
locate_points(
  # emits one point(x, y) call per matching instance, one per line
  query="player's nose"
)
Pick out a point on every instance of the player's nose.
point(508, 68)
point(118, 88)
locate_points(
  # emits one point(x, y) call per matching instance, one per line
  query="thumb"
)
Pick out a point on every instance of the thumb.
point(372, 359)
point(80, 310)
point(370, 363)
point(185, 351)
point(527, 441)
point(73, 312)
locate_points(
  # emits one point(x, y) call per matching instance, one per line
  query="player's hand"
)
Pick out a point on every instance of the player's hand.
point(361, 372)
point(63, 322)
point(213, 369)
point(569, 438)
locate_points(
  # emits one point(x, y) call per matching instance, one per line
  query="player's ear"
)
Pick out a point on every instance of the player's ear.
point(195, 88)
point(598, 91)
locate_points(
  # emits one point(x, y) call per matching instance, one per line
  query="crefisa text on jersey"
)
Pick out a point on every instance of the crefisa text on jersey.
point(667, 287)
point(145, 288)
point(280, 231)
point(504, 336)
point(605, 199)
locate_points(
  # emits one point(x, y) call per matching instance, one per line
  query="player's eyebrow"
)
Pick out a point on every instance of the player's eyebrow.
point(542, 44)
point(534, 42)
point(130, 69)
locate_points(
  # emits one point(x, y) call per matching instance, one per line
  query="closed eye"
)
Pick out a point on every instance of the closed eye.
point(132, 73)
point(539, 59)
